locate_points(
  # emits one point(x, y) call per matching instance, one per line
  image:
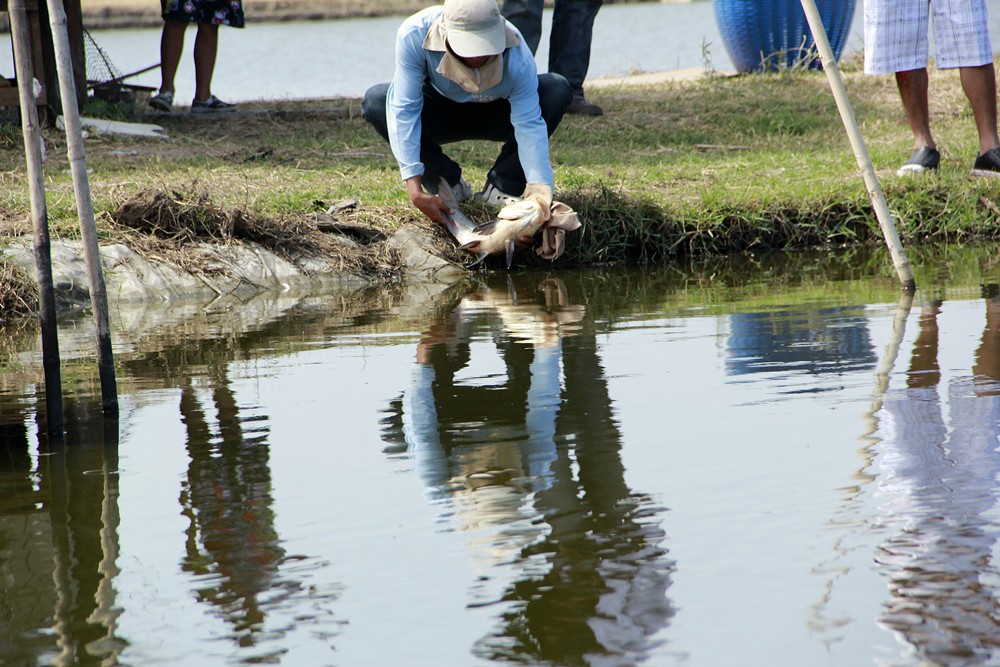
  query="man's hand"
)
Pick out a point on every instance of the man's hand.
point(541, 193)
point(430, 205)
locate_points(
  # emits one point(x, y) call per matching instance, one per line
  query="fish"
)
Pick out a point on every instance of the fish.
point(457, 223)
point(518, 220)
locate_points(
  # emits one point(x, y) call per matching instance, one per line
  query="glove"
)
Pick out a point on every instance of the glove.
point(541, 193)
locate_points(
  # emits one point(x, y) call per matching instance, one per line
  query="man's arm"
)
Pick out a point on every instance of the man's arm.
point(405, 102)
point(529, 126)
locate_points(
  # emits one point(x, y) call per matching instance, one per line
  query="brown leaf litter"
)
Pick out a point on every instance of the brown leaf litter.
point(159, 225)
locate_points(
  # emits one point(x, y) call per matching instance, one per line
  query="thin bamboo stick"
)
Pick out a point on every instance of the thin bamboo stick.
point(84, 205)
point(21, 31)
point(882, 212)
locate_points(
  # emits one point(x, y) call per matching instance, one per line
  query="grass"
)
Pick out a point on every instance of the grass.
point(720, 165)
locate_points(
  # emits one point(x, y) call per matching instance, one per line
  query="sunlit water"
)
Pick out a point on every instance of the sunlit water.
point(745, 463)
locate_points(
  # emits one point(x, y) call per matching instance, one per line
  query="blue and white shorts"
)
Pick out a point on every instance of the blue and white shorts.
point(896, 34)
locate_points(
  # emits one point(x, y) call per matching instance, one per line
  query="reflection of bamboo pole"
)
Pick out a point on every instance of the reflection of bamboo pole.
point(858, 144)
point(882, 374)
point(817, 620)
point(39, 216)
point(884, 370)
point(84, 205)
point(62, 558)
point(891, 349)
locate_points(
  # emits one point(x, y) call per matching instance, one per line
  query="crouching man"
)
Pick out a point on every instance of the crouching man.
point(462, 72)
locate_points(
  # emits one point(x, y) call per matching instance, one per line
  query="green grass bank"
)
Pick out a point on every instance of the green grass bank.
point(713, 166)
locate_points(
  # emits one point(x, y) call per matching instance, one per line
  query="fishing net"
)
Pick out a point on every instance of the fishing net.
point(106, 80)
point(100, 69)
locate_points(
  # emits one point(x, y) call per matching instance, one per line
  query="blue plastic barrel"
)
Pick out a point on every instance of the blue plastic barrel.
point(769, 35)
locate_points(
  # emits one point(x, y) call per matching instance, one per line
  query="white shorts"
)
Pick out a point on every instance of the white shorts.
point(896, 34)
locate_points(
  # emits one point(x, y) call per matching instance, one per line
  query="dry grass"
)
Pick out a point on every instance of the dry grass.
point(18, 292)
point(161, 224)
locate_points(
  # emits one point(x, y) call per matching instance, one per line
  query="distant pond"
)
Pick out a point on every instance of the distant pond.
point(297, 60)
point(303, 60)
point(760, 461)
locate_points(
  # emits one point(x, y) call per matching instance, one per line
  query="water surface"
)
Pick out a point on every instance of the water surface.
point(767, 461)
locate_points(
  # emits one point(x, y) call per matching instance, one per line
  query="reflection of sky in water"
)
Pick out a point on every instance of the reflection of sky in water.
point(826, 340)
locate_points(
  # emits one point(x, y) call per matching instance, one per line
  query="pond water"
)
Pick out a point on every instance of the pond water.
point(305, 60)
point(299, 60)
point(759, 461)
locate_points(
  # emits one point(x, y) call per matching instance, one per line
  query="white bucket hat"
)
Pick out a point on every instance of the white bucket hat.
point(474, 27)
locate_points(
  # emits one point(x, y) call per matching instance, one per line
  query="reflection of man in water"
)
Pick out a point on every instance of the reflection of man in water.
point(941, 484)
point(593, 588)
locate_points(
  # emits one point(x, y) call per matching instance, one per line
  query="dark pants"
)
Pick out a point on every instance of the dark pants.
point(572, 33)
point(444, 121)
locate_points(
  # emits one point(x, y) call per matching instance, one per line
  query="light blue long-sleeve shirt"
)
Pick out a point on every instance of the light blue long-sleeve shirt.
point(404, 103)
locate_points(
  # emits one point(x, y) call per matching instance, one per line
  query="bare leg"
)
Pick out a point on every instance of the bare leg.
point(171, 47)
point(913, 85)
point(979, 84)
point(206, 46)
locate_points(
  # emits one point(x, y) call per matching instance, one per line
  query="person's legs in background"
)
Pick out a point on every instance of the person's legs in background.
point(206, 48)
point(526, 15)
point(171, 47)
point(569, 48)
point(979, 84)
point(913, 92)
point(208, 14)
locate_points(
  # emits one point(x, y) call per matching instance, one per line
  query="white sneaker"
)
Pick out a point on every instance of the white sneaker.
point(493, 196)
point(463, 191)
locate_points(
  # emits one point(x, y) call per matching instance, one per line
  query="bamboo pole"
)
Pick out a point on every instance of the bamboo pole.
point(84, 205)
point(858, 144)
point(20, 31)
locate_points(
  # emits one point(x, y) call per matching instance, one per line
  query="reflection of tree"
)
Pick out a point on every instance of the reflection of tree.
point(941, 481)
point(59, 543)
point(538, 456)
point(232, 545)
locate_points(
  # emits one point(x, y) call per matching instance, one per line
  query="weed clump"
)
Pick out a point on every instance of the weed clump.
point(162, 224)
point(18, 292)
